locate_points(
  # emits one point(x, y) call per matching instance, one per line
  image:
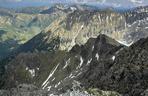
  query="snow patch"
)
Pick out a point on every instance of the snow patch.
point(49, 88)
point(93, 48)
point(75, 36)
point(81, 62)
point(113, 58)
point(31, 71)
point(38, 68)
point(53, 79)
point(97, 56)
point(89, 61)
point(50, 75)
point(73, 8)
point(82, 26)
point(57, 85)
point(73, 76)
point(79, 73)
point(67, 62)
point(70, 75)
point(125, 43)
point(27, 68)
point(51, 95)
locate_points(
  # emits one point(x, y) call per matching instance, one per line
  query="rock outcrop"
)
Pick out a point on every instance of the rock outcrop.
point(101, 63)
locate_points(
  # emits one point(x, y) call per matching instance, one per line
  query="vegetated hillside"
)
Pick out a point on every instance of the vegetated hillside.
point(18, 28)
point(101, 63)
point(30, 67)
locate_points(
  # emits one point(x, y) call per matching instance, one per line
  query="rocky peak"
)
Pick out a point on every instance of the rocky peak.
point(128, 69)
point(69, 66)
point(101, 63)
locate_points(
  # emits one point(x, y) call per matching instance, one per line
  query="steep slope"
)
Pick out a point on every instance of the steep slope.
point(101, 63)
point(80, 25)
point(137, 22)
point(127, 74)
point(18, 28)
point(59, 68)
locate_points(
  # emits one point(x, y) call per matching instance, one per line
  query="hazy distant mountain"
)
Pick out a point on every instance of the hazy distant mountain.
point(31, 10)
point(112, 3)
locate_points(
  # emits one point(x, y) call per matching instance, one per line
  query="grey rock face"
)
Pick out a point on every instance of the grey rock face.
point(63, 70)
point(101, 63)
point(23, 90)
point(127, 74)
point(4, 93)
point(78, 26)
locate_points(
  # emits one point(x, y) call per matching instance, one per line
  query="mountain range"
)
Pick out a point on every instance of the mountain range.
point(76, 51)
point(19, 26)
point(113, 3)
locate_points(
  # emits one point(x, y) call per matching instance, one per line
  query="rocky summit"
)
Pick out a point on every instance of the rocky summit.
point(84, 52)
point(101, 63)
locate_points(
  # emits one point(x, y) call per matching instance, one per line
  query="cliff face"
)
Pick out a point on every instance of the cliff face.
point(79, 26)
